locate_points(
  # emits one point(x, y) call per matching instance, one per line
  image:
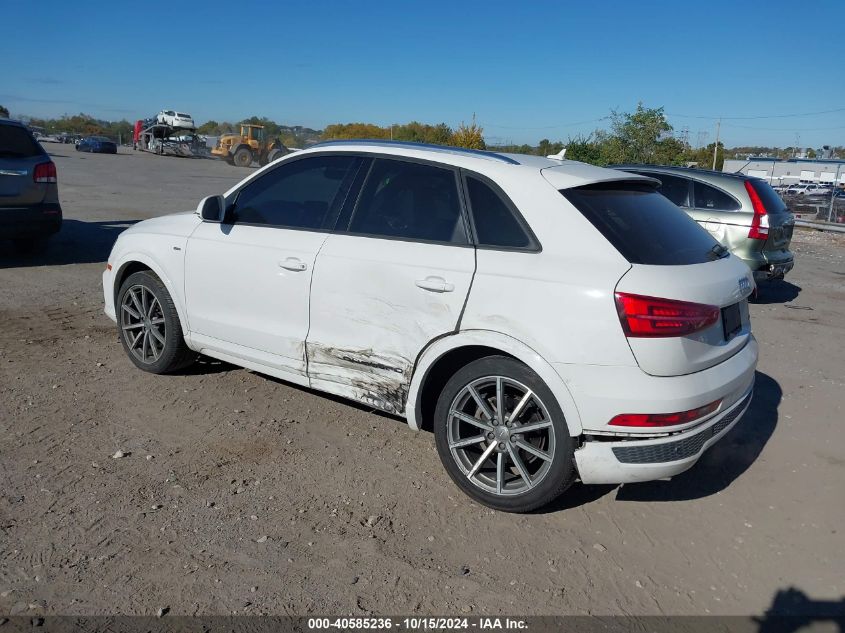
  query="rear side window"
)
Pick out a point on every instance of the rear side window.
point(495, 223)
point(411, 201)
point(299, 194)
point(674, 188)
point(17, 142)
point(644, 226)
point(707, 197)
point(771, 200)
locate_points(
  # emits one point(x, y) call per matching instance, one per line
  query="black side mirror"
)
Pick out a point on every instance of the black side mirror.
point(212, 209)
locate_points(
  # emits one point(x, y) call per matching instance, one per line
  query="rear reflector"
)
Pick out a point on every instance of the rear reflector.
point(650, 317)
point(45, 173)
point(757, 230)
point(664, 419)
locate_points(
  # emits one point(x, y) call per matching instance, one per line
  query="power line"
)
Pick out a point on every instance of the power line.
point(748, 118)
point(544, 127)
point(785, 129)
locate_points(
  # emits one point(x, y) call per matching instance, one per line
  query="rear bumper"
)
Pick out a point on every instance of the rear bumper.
point(774, 270)
point(600, 393)
point(771, 264)
point(647, 460)
point(35, 221)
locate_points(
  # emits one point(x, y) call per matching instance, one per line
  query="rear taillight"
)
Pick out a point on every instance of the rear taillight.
point(650, 317)
point(757, 230)
point(664, 419)
point(45, 172)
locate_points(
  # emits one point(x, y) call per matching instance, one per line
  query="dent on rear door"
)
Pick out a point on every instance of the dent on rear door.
point(371, 316)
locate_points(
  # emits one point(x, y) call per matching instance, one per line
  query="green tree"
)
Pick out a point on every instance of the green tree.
point(640, 137)
point(4, 112)
point(355, 130)
point(209, 127)
point(470, 136)
point(585, 149)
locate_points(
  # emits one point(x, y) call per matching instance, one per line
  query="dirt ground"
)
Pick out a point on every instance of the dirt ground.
point(242, 494)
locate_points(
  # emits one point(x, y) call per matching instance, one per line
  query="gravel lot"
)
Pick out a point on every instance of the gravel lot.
point(242, 494)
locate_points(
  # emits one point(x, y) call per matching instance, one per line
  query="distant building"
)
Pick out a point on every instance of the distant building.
point(791, 171)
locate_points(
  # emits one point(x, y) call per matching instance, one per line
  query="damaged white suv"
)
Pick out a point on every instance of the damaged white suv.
point(547, 319)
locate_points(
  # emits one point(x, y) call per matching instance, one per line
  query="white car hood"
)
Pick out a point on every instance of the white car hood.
point(177, 224)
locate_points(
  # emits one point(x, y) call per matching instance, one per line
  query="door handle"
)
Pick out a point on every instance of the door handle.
point(435, 284)
point(293, 263)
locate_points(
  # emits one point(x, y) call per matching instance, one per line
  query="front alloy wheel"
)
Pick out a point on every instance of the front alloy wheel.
point(143, 324)
point(502, 437)
point(149, 325)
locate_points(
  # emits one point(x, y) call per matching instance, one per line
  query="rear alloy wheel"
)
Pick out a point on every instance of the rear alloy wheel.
point(149, 325)
point(242, 157)
point(502, 437)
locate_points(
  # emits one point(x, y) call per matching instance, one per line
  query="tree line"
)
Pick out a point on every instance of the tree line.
point(642, 136)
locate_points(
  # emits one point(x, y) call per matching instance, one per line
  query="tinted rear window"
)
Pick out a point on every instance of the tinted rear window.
point(771, 200)
point(643, 225)
point(17, 142)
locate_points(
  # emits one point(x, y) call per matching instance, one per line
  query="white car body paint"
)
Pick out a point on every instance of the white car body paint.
point(355, 322)
point(498, 341)
point(247, 288)
point(375, 303)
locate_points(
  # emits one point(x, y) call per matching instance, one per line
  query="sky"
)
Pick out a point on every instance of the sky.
point(526, 70)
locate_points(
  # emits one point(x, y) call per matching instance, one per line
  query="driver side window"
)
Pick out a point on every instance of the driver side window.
point(302, 194)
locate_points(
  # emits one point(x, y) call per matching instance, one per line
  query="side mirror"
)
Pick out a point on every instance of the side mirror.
point(212, 209)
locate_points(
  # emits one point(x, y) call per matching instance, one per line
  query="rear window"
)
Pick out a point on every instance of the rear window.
point(771, 200)
point(644, 226)
point(17, 142)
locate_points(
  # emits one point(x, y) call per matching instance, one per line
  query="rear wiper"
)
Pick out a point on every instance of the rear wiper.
point(718, 251)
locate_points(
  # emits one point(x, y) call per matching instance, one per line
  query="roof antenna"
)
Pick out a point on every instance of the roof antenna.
point(558, 156)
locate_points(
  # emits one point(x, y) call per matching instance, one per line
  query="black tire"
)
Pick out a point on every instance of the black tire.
point(173, 352)
point(242, 157)
point(553, 476)
point(276, 154)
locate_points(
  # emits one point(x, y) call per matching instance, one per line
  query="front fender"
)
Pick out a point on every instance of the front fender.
point(504, 343)
point(174, 283)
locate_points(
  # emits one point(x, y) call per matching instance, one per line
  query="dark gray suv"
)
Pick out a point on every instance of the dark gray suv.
point(742, 212)
point(29, 193)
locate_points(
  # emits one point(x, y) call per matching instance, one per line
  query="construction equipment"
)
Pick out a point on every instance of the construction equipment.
point(251, 144)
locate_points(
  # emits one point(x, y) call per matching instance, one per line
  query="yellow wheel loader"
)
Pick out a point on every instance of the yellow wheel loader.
point(248, 146)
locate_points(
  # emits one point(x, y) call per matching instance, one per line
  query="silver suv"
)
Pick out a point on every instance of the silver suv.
point(29, 195)
point(743, 213)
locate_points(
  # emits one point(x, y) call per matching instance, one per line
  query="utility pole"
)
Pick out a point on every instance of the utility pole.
point(716, 147)
point(833, 193)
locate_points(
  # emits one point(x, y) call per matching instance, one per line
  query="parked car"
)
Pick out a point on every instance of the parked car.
point(97, 144)
point(29, 193)
point(742, 212)
point(175, 119)
point(808, 190)
point(548, 320)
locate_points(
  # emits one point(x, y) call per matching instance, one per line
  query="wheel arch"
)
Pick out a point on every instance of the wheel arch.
point(133, 262)
point(443, 357)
